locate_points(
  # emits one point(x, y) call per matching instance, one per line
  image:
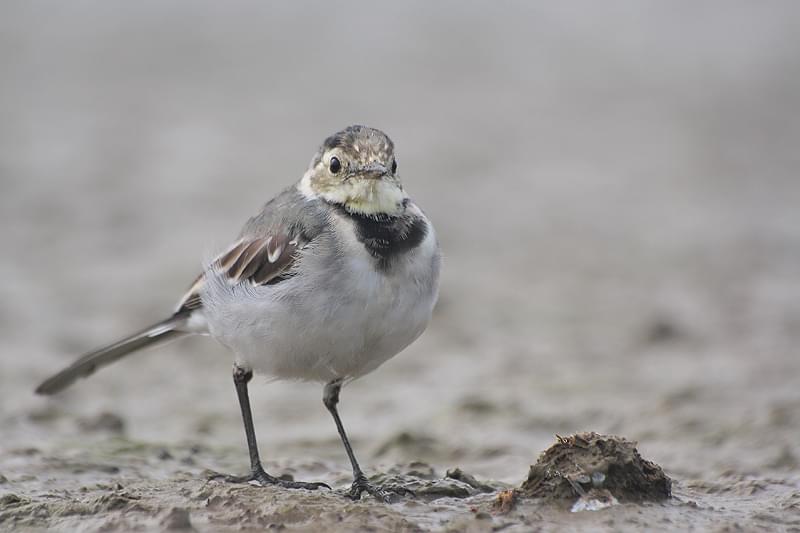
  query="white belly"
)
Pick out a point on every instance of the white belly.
point(330, 321)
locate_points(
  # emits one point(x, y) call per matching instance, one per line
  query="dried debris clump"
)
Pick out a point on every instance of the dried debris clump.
point(590, 467)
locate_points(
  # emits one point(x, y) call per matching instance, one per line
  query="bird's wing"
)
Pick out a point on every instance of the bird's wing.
point(264, 260)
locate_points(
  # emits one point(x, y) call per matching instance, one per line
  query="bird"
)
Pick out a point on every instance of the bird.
point(334, 276)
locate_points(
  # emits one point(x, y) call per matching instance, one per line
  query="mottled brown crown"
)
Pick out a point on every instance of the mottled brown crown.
point(361, 144)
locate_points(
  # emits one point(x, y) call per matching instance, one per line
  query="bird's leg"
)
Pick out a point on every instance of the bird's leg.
point(360, 482)
point(241, 377)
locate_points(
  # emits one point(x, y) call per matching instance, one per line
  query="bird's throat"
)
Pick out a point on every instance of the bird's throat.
point(361, 196)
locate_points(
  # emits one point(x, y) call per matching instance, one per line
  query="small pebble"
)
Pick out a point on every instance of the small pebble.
point(177, 519)
point(103, 422)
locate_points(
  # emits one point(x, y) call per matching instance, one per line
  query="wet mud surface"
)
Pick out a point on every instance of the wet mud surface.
point(114, 484)
point(615, 190)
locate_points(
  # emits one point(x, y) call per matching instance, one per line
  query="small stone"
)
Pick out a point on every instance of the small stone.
point(164, 454)
point(469, 479)
point(421, 470)
point(103, 422)
point(177, 519)
point(442, 488)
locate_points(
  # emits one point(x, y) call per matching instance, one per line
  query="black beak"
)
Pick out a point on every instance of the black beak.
point(373, 171)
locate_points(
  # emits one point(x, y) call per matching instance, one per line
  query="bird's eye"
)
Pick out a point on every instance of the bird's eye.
point(394, 166)
point(335, 165)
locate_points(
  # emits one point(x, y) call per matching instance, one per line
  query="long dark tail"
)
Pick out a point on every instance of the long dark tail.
point(160, 332)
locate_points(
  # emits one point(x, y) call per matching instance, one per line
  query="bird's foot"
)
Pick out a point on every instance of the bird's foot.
point(385, 493)
point(260, 478)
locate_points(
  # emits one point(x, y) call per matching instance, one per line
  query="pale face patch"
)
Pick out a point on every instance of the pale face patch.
point(363, 181)
point(367, 196)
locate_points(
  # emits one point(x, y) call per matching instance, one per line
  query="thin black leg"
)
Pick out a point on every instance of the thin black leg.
point(241, 377)
point(360, 484)
point(331, 399)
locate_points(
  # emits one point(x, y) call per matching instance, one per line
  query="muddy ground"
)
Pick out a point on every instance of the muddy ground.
point(616, 193)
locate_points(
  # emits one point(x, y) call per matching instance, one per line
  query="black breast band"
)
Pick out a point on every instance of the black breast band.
point(387, 237)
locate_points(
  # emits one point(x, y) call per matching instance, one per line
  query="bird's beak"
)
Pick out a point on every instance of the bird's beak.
point(373, 171)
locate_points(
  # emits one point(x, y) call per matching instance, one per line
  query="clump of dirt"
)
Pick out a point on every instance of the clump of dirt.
point(585, 463)
point(505, 501)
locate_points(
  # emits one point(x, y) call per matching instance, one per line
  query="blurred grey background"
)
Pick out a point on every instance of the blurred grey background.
point(614, 185)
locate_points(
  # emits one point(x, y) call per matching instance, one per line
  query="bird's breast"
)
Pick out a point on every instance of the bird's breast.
point(387, 239)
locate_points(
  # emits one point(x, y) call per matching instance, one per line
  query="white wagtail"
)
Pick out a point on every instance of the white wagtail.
point(333, 277)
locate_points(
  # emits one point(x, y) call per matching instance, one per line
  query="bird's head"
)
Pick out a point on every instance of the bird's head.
point(357, 169)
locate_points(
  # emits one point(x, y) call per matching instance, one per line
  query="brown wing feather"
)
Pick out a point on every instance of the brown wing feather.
point(261, 261)
point(243, 267)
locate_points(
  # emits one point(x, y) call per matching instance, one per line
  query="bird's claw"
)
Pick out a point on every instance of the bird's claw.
point(386, 494)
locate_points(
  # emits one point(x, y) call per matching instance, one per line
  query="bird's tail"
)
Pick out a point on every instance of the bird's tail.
point(158, 333)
